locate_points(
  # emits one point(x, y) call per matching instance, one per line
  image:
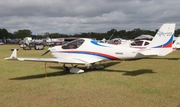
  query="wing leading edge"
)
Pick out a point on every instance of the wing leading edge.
point(55, 60)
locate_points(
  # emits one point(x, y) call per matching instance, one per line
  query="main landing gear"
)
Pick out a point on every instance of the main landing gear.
point(65, 68)
point(76, 70)
point(73, 70)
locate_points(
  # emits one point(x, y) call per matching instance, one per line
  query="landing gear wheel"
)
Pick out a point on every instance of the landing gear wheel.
point(65, 68)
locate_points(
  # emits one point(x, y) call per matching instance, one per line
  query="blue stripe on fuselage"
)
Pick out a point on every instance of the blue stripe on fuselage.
point(110, 57)
point(96, 43)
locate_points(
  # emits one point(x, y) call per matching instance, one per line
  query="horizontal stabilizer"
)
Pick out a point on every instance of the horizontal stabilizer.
point(148, 52)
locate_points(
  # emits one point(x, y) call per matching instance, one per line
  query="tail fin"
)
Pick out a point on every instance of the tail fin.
point(163, 40)
point(13, 55)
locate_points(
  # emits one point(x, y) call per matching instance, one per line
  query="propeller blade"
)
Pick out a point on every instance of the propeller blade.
point(45, 52)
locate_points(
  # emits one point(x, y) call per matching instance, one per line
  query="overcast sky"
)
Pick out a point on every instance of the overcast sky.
point(77, 16)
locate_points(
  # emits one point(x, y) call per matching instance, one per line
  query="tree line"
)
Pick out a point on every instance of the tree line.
point(4, 34)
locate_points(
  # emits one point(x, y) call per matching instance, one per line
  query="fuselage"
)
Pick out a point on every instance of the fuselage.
point(88, 48)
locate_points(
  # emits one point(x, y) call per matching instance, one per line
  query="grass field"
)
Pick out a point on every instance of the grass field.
point(152, 82)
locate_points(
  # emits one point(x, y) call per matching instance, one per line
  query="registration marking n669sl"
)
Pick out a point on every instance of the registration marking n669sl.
point(119, 53)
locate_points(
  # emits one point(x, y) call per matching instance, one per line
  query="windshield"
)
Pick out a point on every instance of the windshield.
point(73, 44)
point(137, 43)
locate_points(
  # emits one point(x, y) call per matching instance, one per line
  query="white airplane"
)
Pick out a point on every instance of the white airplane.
point(176, 44)
point(142, 44)
point(88, 51)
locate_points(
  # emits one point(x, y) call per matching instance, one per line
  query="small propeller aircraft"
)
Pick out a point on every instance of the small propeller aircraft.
point(176, 44)
point(142, 44)
point(88, 51)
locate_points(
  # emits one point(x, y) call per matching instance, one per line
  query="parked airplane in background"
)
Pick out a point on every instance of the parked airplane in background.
point(142, 44)
point(176, 44)
point(88, 51)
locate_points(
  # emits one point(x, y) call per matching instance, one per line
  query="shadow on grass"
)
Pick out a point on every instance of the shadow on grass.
point(41, 75)
point(62, 73)
point(132, 73)
point(59, 73)
point(165, 58)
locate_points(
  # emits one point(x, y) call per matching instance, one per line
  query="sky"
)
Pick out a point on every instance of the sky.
point(79, 16)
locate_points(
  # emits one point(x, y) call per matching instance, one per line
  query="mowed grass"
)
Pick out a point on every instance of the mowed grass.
point(151, 82)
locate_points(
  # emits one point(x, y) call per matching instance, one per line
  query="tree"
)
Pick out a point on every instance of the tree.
point(122, 34)
point(3, 33)
point(46, 34)
point(22, 33)
point(177, 32)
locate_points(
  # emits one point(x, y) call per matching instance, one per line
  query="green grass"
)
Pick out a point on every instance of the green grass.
point(152, 82)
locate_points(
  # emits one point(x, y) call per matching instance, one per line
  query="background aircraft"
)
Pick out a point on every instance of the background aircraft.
point(142, 44)
point(176, 44)
point(88, 51)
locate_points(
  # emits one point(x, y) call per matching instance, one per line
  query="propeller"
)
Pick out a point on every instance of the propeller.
point(45, 52)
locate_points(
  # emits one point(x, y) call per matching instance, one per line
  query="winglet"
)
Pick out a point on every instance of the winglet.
point(13, 55)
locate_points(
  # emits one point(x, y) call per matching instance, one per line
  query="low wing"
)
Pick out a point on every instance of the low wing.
point(38, 59)
point(64, 60)
point(55, 60)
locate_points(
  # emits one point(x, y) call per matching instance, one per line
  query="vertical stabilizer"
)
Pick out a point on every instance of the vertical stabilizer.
point(163, 40)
